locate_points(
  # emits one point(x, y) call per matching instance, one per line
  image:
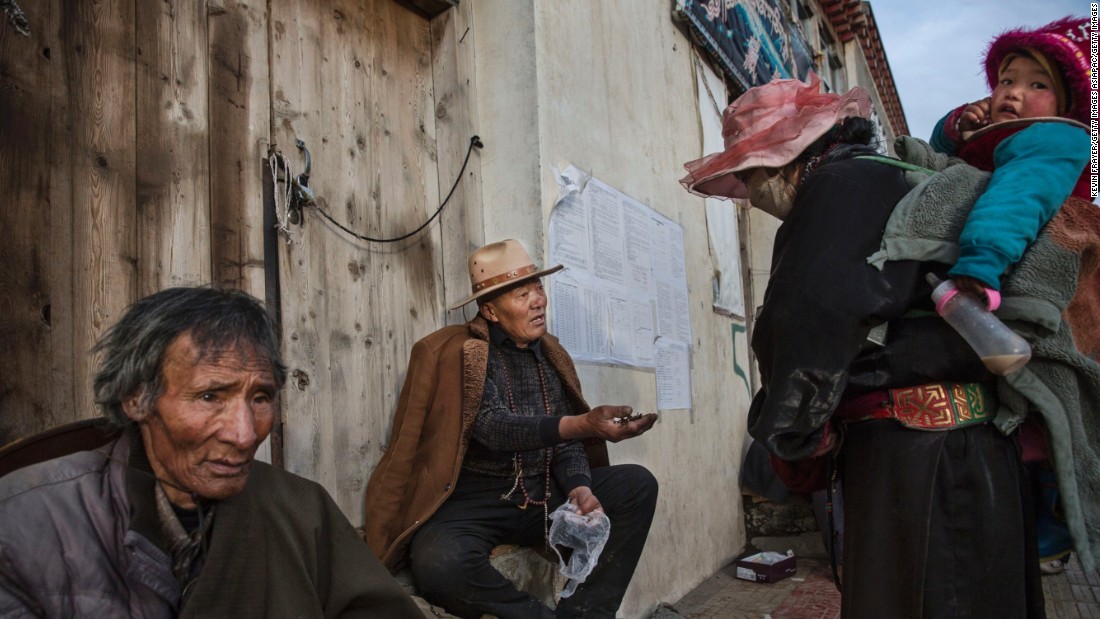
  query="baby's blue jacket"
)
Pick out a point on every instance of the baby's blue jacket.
point(1034, 172)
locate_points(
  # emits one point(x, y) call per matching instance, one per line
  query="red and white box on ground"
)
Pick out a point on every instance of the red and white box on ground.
point(766, 566)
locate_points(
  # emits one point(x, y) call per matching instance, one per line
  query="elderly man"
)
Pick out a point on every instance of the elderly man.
point(487, 440)
point(175, 518)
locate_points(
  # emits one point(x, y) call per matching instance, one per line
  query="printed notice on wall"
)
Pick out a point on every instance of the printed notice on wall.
point(623, 296)
point(673, 377)
point(725, 245)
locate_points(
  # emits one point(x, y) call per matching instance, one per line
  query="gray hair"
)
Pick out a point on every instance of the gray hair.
point(133, 349)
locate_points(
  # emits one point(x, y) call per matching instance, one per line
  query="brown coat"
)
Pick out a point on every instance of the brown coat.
point(431, 428)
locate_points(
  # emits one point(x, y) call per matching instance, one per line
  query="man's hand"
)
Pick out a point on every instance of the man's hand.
point(975, 116)
point(603, 422)
point(582, 497)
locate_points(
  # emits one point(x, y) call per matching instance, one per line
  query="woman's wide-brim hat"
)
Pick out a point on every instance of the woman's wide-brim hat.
point(1066, 43)
point(768, 127)
point(498, 265)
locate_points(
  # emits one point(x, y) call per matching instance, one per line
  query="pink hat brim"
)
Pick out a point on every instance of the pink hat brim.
point(781, 120)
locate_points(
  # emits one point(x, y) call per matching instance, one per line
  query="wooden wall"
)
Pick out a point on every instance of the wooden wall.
point(130, 146)
point(356, 84)
point(133, 137)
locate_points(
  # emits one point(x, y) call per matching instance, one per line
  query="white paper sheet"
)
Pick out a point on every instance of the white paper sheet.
point(569, 222)
point(725, 242)
point(567, 315)
point(639, 265)
point(625, 285)
point(605, 216)
point(673, 375)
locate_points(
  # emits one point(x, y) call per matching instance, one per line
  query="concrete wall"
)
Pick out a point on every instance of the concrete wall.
point(609, 87)
point(859, 74)
point(508, 103)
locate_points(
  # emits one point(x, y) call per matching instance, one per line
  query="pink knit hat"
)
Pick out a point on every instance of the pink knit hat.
point(1066, 43)
point(768, 127)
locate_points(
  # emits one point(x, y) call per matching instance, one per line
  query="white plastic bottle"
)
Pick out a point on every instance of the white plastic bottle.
point(1000, 348)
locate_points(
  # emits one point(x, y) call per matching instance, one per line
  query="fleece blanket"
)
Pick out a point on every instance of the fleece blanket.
point(1050, 297)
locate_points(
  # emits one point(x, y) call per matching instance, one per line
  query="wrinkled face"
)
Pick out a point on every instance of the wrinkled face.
point(203, 430)
point(1025, 91)
point(520, 312)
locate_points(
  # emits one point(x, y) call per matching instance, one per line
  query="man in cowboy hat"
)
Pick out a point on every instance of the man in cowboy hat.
point(490, 435)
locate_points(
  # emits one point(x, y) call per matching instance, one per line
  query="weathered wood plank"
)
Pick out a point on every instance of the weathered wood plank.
point(353, 80)
point(305, 437)
point(240, 119)
point(66, 359)
point(172, 130)
point(99, 88)
point(461, 225)
point(97, 182)
point(405, 299)
point(26, 286)
point(240, 115)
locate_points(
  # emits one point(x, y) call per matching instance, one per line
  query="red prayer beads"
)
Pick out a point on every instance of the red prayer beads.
point(517, 458)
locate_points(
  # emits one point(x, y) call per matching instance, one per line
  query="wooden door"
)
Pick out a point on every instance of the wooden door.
point(130, 136)
point(372, 90)
point(133, 139)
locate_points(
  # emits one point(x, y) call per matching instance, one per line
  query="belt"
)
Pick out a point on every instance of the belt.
point(935, 406)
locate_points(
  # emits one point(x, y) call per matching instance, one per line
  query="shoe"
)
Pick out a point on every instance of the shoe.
point(1051, 530)
point(1056, 566)
point(1051, 568)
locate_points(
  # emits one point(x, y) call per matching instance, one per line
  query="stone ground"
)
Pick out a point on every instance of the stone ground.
point(810, 594)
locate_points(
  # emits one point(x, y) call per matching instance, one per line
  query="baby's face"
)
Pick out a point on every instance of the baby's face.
point(1025, 91)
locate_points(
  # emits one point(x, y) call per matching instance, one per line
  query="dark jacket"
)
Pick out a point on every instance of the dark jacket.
point(75, 541)
point(823, 299)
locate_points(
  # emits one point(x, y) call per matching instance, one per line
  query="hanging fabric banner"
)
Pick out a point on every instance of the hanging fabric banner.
point(755, 41)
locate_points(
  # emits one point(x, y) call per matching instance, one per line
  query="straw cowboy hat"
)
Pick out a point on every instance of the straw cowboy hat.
point(768, 127)
point(498, 265)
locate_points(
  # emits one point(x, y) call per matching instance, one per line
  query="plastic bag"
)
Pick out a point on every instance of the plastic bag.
point(586, 535)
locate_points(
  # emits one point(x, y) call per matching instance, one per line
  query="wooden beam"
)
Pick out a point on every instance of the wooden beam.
point(240, 129)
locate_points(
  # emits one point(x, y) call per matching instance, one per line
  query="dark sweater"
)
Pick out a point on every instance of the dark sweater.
point(517, 417)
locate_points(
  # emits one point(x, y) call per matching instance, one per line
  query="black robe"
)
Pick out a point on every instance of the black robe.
point(936, 523)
